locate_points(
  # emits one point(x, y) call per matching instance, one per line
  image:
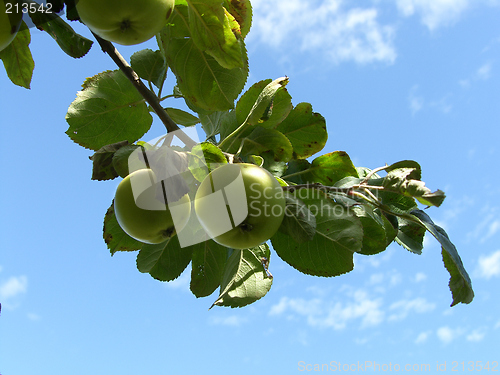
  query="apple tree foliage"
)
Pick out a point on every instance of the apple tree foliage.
point(334, 209)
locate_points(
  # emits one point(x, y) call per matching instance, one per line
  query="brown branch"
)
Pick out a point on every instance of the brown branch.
point(147, 94)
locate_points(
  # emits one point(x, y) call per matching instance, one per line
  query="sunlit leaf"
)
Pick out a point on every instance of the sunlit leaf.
point(339, 234)
point(107, 110)
point(245, 279)
point(17, 59)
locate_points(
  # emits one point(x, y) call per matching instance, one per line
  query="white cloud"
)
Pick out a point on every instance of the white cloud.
point(433, 13)
point(488, 265)
point(395, 278)
point(13, 287)
point(488, 227)
point(390, 278)
point(359, 310)
point(416, 101)
point(353, 34)
point(422, 337)
point(493, 228)
point(33, 316)
point(442, 105)
point(376, 278)
point(181, 283)
point(447, 334)
point(476, 335)
point(401, 309)
point(420, 276)
point(231, 320)
point(484, 72)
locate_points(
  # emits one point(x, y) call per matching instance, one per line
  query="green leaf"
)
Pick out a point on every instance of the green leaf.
point(298, 223)
point(339, 234)
point(242, 12)
point(416, 169)
point(202, 156)
point(262, 105)
point(181, 117)
point(68, 40)
point(121, 160)
point(261, 140)
point(410, 236)
point(208, 262)
point(375, 238)
point(394, 202)
point(460, 283)
point(330, 168)
point(150, 65)
point(201, 79)
point(306, 131)
point(165, 261)
point(276, 168)
point(17, 58)
point(403, 180)
point(278, 111)
point(114, 236)
point(245, 279)
point(214, 31)
point(108, 110)
point(247, 100)
point(296, 170)
point(219, 122)
point(102, 162)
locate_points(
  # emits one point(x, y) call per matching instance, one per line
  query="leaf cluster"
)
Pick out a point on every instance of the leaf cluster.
point(334, 209)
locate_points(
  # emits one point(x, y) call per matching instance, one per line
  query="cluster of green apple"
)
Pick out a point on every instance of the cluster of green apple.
point(10, 22)
point(265, 207)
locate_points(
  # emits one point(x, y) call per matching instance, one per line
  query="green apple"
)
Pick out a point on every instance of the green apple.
point(240, 205)
point(125, 22)
point(9, 22)
point(142, 215)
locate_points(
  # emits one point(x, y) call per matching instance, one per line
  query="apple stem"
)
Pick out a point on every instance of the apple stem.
point(147, 94)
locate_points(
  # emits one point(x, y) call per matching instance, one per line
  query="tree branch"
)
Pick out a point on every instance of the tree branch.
point(147, 94)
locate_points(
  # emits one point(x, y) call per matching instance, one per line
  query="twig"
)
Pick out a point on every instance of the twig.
point(148, 95)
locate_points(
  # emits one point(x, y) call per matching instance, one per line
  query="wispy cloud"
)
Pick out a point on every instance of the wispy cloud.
point(13, 287)
point(401, 309)
point(416, 101)
point(443, 104)
point(231, 320)
point(181, 283)
point(357, 307)
point(33, 316)
point(477, 335)
point(420, 276)
point(488, 226)
point(352, 307)
point(488, 265)
point(328, 26)
point(446, 334)
point(484, 72)
point(422, 337)
point(434, 13)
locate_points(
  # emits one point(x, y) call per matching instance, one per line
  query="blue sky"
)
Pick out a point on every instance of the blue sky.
point(395, 80)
